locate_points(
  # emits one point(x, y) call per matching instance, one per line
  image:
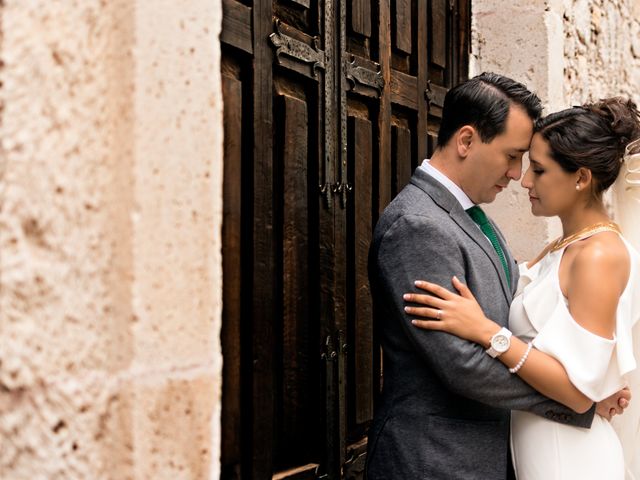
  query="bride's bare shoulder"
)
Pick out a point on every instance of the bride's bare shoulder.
point(602, 256)
point(598, 273)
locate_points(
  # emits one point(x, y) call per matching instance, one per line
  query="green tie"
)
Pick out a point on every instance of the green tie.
point(481, 219)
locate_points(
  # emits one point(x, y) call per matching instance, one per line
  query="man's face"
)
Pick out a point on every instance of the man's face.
point(491, 166)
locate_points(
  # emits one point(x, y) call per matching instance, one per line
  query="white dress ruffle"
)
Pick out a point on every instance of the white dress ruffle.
point(597, 366)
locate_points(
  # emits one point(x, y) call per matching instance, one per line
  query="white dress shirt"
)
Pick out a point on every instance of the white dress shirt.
point(447, 183)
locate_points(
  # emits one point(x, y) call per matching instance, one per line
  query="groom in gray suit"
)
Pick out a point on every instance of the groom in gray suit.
point(444, 408)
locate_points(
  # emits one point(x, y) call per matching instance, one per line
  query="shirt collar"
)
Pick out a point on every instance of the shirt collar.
point(447, 183)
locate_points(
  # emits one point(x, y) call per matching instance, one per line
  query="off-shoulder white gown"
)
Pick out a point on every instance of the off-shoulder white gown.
point(546, 450)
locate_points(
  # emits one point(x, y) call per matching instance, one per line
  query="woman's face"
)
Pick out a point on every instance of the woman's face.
point(552, 191)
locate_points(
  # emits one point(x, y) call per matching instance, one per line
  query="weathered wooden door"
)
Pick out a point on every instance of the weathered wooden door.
point(329, 106)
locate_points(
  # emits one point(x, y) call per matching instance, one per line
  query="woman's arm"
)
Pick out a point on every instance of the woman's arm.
point(597, 272)
point(462, 316)
point(545, 374)
point(593, 277)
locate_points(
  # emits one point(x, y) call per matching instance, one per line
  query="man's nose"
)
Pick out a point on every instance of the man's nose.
point(515, 171)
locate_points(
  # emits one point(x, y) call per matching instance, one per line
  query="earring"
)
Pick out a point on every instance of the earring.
point(577, 187)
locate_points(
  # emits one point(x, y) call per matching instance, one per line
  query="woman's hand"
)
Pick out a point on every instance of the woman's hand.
point(460, 315)
point(615, 404)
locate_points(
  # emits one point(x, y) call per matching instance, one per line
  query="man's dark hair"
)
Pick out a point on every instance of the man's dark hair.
point(483, 102)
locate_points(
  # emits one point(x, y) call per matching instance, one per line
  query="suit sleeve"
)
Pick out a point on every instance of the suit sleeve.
point(412, 249)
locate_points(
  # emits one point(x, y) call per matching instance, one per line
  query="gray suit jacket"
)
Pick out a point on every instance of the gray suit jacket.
point(444, 408)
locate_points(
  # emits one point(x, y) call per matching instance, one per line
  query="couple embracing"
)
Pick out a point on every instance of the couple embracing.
point(485, 359)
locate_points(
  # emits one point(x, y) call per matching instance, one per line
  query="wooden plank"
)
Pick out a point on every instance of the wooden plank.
point(402, 22)
point(231, 458)
point(404, 89)
point(306, 472)
point(437, 72)
point(461, 58)
point(401, 141)
point(384, 118)
point(382, 186)
point(368, 81)
point(432, 138)
point(263, 286)
point(357, 454)
point(362, 148)
point(438, 32)
point(296, 348)
point(437, 94)
point(423, 65)
point(361, 17)
point(236, 25)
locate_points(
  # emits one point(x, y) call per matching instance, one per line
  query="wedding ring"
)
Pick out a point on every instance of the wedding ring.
point(439, 314)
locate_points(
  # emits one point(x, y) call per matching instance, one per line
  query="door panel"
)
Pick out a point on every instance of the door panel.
point(360, 169)
point(298, 393)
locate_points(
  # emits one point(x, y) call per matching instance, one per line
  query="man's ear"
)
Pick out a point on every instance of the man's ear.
point(464, 139)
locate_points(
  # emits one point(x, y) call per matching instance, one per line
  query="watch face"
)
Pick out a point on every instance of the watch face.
point(500, 343)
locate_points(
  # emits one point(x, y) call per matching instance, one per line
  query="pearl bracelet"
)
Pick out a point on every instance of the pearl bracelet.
point(522, 360)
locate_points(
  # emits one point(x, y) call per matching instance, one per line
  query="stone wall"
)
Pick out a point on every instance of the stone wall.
point(601, 49)
point(110, 214)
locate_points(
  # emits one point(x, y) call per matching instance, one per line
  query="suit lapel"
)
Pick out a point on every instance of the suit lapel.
point(448, 202)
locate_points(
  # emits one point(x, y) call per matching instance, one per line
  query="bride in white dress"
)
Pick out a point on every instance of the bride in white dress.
point(575, 315)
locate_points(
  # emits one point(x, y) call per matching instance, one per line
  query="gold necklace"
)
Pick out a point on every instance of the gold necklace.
point(590, 230)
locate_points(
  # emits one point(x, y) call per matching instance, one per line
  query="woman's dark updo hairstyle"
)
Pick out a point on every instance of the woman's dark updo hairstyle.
point(593, 136)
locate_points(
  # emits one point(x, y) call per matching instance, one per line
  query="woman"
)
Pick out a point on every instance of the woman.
point(577, 303)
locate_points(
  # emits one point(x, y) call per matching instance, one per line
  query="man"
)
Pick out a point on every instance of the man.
point(445, 406)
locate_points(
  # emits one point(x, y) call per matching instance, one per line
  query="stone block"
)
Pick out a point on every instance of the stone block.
point(67, 429)
point(173, 420)
point(177, 184)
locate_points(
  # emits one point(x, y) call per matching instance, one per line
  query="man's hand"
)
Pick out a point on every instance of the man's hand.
point(615, 404)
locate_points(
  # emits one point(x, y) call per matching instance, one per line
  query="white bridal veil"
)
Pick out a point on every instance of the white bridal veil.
point(627, 209)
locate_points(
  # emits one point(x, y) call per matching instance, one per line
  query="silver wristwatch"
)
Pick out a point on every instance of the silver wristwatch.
point(500, 343)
